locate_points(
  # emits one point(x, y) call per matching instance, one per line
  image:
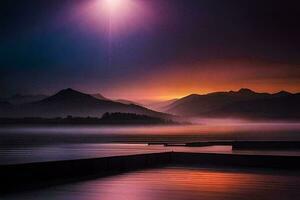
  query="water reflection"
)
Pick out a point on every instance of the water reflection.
point(79, 151)
point(12, 136)
point(14, 155)
point(35, 144)
point(207, 127)
point(177, 184)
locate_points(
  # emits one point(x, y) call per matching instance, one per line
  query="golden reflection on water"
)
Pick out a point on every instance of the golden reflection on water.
point(179, 184)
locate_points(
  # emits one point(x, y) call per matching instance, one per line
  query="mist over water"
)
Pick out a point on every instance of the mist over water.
point(204, 129)
point(45, 143)
point(26, 144)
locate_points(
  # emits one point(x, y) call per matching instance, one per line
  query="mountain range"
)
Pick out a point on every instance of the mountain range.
point(244, 103)
point(71, 102)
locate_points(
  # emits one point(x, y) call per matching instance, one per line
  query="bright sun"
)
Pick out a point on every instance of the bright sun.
point(118, 17)
point(114, 6)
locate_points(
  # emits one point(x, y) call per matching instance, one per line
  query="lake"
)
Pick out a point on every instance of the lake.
point(24, 144)
point(177, 183)
point(40, 135)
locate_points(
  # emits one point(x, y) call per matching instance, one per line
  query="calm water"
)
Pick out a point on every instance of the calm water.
point(78, 151)
point(177, 184)
point(34, 144)
point(220, 130)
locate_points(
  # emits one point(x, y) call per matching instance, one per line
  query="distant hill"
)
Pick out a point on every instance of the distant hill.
point(123, 101)
point(71, 102)
point(243, 103)
point(128, 102)
point(21, 99)
point(99, 96)
point(159, 105)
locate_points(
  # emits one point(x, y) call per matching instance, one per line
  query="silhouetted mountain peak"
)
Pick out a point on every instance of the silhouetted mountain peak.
point(282, 93)
point(242, 103)
point(246, 91)
point(70, 92)
point(69, 95)
point(191, 96)
point(71, 102)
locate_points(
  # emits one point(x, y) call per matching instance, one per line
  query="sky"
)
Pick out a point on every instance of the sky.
point(149, 49)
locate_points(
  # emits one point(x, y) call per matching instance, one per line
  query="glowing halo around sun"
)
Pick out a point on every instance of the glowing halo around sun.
point(117, 11)
point(114, 6)
point(117, 17)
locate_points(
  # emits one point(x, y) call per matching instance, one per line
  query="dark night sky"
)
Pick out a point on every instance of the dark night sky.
point(159, 49)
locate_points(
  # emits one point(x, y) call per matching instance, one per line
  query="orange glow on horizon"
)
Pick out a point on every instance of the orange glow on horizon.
point(203, 78)
point(161, 94)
